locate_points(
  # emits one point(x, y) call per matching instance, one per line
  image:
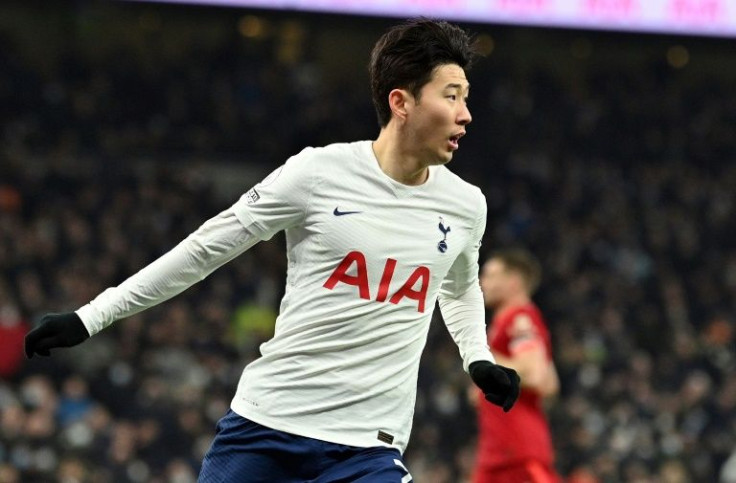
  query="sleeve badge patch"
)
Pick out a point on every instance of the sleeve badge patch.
point(252, 196)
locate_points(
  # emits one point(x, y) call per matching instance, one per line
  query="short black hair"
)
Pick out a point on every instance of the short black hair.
point(406, 56)
point(522, 262)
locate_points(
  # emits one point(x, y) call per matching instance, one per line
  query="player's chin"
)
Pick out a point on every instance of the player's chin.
point(445, 157)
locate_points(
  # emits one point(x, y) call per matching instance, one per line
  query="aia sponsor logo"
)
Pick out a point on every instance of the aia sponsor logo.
point(414, 288)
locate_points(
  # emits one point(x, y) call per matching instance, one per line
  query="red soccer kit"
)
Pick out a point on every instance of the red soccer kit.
point(516, 446)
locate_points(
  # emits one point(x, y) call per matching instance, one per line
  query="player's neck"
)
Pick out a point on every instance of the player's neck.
point(515, 301)
point(399, 163)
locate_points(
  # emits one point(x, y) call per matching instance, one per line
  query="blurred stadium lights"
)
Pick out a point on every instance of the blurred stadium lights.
point(291, 37)
point(678, 56)
point(485, 44)
point(253, 27)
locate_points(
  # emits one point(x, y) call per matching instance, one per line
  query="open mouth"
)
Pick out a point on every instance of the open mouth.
point(454, 140)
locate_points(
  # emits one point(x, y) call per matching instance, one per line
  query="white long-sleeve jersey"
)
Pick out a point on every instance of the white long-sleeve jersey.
point(368, 257)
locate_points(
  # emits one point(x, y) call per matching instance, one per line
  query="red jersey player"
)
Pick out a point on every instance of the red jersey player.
point(516, 447)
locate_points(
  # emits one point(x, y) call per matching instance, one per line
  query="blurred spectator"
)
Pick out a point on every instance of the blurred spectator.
point(9, 474)
point(12, 331)
point(74, 403)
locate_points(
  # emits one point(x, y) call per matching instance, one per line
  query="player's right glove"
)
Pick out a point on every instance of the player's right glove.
point(55, 330)
point(499, 384)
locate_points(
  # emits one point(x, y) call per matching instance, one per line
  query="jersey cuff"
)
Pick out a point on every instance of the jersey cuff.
point(479, 357)
point(87, 314)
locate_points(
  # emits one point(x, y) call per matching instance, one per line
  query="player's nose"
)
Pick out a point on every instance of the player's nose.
point(464, 117)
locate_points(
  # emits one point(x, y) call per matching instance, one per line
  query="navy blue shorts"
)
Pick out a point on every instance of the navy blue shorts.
point(246, 452)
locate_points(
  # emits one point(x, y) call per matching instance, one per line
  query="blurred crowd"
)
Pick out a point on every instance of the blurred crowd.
point(619, 180)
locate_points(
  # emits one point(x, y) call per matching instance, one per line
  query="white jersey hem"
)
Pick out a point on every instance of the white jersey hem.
point(251, 413)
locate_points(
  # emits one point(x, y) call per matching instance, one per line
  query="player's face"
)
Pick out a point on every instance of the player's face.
point(495, 282)
point(438, 119)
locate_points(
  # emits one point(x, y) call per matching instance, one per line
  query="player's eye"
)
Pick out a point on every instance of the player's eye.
point(452, 97)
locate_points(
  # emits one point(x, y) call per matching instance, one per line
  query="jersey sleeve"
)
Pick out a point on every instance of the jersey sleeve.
point(279, 201)
point(216, 242)
point(461, 300)
point(463, 274)
point(523, 332)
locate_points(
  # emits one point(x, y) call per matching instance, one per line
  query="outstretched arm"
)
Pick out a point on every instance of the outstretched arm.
point(275, 204)
point(216, 242)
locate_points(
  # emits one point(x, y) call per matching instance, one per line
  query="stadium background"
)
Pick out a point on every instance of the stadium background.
point(125, 126)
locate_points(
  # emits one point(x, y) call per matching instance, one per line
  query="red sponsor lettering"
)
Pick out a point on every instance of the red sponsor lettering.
point(407, 290)
point(360, 279)
point(388, 273)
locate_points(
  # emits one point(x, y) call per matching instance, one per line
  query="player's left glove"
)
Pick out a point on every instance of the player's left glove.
point(55, 330)
point(499, 384)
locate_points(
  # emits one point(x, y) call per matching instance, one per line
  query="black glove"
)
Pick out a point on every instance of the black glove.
point(499, 384)
point(55, 330)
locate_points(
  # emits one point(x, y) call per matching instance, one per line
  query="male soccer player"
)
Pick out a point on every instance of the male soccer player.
point(376, 232)
point(517, 447)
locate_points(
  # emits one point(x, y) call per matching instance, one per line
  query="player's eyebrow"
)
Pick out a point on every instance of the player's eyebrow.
point(457, 86)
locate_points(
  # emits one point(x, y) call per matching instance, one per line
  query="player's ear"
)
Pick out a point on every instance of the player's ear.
point(398, 101)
